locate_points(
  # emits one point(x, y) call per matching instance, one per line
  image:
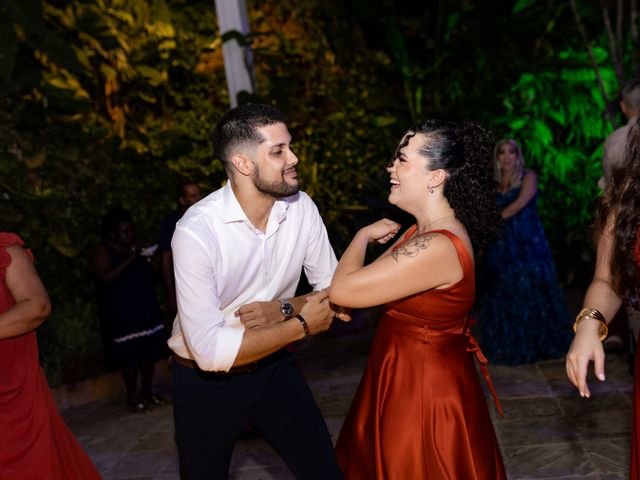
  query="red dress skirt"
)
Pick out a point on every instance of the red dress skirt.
point(35, 444)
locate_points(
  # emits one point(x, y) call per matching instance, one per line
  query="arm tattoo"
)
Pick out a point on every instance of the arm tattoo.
point(413, 246)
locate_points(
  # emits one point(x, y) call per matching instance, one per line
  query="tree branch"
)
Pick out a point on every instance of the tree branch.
point(619, 39)
point(613, 50)
point(585, 39)
point(635, 40)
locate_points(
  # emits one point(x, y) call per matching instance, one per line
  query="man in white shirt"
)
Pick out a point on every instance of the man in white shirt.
point(238, 256)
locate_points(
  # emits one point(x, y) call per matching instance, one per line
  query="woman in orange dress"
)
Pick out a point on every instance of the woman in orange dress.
point(420, 412)
point(616, 279)
point(35, 444)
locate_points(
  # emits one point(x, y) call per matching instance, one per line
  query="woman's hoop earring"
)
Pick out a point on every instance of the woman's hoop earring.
point(430, 188)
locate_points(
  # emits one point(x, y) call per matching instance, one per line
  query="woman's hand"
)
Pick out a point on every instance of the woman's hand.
point(381, 231)
point(586, 347)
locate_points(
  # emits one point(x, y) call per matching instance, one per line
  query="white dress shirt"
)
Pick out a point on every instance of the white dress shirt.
point(221, 262)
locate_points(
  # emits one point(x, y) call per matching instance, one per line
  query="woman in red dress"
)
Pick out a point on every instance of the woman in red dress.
point(35, 444)
point(420, 412)
point(616, 279)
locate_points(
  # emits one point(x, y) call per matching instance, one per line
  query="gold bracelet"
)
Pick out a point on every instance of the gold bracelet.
point(594, 315)
point(592, 312)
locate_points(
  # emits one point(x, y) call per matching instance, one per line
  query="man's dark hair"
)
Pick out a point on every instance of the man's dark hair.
point(239, 126)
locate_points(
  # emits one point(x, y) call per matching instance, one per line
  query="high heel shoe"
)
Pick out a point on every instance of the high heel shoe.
point(154, 400)
point(137, 406)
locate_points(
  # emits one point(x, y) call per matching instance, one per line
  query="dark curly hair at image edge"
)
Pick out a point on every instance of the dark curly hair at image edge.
point(622, 199)
point(465, 152)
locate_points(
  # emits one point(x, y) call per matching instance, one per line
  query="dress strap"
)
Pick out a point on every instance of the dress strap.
point(463, 253)
point(473, 347)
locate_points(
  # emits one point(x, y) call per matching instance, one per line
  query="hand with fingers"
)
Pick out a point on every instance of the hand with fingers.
point(259, 314)
point(341, 313)
point(381, 231)
point(317, 312)
point(586, 347)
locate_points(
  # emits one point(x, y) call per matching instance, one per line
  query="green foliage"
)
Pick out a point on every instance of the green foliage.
point(111, 103)
point(105, 106)
point(557, 117)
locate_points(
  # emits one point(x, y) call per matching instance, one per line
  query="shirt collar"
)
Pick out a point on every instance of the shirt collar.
point(232, 211)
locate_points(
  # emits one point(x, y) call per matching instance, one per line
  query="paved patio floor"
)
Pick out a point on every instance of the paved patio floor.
point(548, 431)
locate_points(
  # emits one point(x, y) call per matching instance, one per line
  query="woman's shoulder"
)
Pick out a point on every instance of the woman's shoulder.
point(441, 243)
point(8, 239)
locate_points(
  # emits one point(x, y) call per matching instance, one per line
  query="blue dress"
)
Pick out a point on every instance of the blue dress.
point(523, 315)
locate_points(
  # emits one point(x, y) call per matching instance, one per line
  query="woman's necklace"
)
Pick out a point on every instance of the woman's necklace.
point(435, 221)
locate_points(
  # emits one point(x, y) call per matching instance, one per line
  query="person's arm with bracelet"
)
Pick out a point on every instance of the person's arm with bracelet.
point(32, 305)
point(260, 314)
point(600, 296)
point(213, 345)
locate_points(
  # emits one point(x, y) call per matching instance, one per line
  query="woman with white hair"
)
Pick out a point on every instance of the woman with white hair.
point(523, 315)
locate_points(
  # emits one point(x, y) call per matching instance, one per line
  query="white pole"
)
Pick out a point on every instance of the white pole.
point(238, 59)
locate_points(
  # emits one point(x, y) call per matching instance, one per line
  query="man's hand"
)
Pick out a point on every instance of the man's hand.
point(259, 314)
point(317, 312)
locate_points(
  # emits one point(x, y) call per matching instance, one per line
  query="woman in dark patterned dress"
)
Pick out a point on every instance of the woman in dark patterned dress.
point(523, 316)
point(133, 334)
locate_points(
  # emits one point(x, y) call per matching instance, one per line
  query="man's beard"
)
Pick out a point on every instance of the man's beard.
point(275, 189)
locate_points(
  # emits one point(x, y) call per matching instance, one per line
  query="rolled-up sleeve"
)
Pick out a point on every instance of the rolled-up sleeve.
point(320, 260)
point(211, 344)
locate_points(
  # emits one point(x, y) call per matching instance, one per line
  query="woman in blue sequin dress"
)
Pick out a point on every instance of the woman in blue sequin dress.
point(523, 317)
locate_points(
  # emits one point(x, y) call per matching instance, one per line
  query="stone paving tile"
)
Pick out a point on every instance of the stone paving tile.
point(527, 407)
point(535, 431)
point(603, 402)
point(263, 473)
point(551, 460)
point(609, 457)
point(548, 431)
point(141, 464)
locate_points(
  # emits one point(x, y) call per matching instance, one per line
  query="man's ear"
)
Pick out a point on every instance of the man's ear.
point(242, 164)
point(625, 110)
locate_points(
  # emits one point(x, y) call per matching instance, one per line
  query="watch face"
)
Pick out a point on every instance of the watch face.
point(286, 309)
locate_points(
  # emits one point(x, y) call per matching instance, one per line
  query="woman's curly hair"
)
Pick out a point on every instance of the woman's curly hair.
point(465, 152)
point(621, 202)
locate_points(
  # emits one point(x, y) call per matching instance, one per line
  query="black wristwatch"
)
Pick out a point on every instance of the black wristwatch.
point(286, 309)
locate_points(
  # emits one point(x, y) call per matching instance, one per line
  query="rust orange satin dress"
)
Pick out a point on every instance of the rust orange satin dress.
point(419, 411)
